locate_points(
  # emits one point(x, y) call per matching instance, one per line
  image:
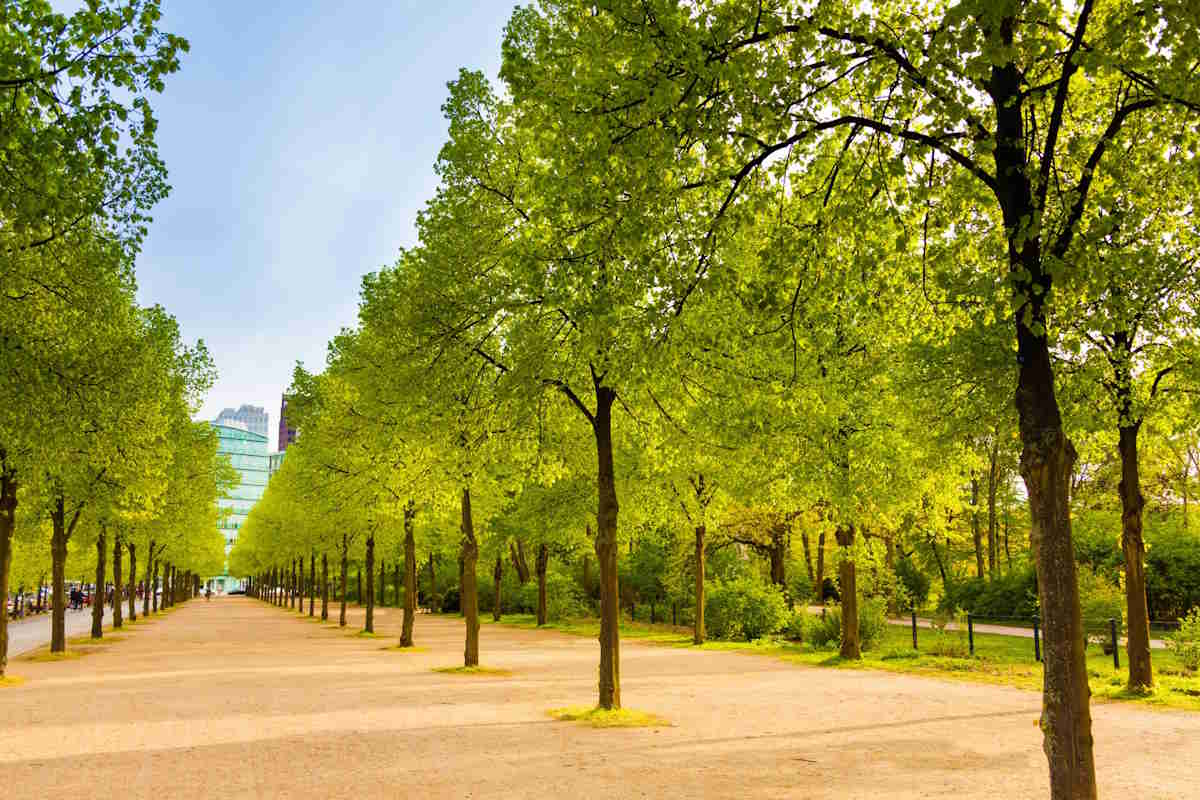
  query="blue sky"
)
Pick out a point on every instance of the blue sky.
point(300, 138)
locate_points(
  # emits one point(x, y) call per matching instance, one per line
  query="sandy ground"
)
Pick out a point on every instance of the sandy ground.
point(236, 698)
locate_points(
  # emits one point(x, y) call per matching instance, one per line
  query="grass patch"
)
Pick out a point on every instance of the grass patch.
point(609, 718)
point(477, 670)
point(395, 648)
point(11, 680)
point(367, 635)
point(88, 640)
point(998, 659)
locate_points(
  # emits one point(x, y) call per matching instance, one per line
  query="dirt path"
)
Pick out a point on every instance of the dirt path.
point(235, 698)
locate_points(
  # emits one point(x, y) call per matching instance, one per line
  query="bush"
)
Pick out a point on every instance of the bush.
point(565, 598)
point(1011, 595)
point(797, 626)
point(1172, 569)
point(1099, 601)
point(1186, 641)
point(914, 581)
point(872, 623)
point(744, 609)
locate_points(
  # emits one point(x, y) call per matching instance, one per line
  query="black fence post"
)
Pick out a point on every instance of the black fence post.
point(971, 633)
point(1037, 643)
point(674, 614)
point(914, 623)
point(1112, 629)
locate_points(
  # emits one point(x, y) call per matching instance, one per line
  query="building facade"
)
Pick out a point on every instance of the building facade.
point(252, 418)
point(287, 434)
point(247, 452)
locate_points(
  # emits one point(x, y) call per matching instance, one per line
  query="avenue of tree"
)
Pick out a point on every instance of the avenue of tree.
point(747, 268)
point(102, 470)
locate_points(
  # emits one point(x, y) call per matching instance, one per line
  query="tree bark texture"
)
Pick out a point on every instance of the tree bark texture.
point(976, 531)
point(312, 583)
point(132, 548)
point(369, 617)
point(324, 587)
point(117, 587)
point(149, 580)
point(98, 594)
point(606, 552)
point(497, 575)
point(819, 583)
point(382, 596)
point(851, 646)
point(1141, 674)
point(410, 577)
point(541, 564)
point(1047, 456)
point(58, 578)
point(468, 591)
point(345, 576)
point(155, 604)
point(8, 524)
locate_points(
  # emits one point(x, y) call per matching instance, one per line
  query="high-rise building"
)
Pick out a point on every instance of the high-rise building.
point(287, 434)
point(252, 418)
point(247, 452)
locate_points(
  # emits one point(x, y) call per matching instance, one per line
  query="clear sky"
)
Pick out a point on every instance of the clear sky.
point(300, 138)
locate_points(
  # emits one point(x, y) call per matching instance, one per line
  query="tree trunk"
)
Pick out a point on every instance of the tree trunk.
point(312, 583)
point(819, 588)
point(587, 567)
point(149, 580)
point(606, 552)
point(1047, 456)
point(369, 617)
point(397, 583)
point(520, 564)
point(698, 632)
point(468, 591)
point(132, 547)
point(8, 524)
point(461, 580)
point(433, 595)
point(497, 574)
point(155, 604)
point(324, 587)
point(778, 554)
point(58, 578)
point(98, 594)
point(358, 592)
point(382, 596)
point(808, 564)
point(410, 577)
point(116, 606)
point(1141, 675)
point(976, 532)
point(993, 486)
point(851, 646)
point(294, 585)
point(345, 576)
point(543, 561)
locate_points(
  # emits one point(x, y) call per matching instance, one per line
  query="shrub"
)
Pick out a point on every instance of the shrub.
point(1172, 569)
point(1099, 601)
point(872, 623)
point(565, 599)
point(1011, 595)
point(1186, 641)
point(915, 582)
point(797, 626)
point(744, 608)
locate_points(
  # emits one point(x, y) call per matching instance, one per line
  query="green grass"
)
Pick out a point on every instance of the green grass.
point(11, 680)
point(395, 648)
point(998, 659)
point(367, 635)
point(476, 670)
point(609, 718)
point(109, 638)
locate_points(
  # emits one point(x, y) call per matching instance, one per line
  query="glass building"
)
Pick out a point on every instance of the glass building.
point(247, 452)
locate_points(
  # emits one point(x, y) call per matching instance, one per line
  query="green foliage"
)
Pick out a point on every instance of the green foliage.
point(915, 582)
point(1172, 569)
point(565, 598)
point(1008, 596)
point(826, 630)
point(1186, 641)
point(1099, 601)
point(743, 609)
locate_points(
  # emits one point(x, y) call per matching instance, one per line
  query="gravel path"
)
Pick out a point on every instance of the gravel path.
point(33, 632)
point(236, 698)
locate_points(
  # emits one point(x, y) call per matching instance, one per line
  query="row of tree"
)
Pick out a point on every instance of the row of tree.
point(98, 451)
point(783, 256)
